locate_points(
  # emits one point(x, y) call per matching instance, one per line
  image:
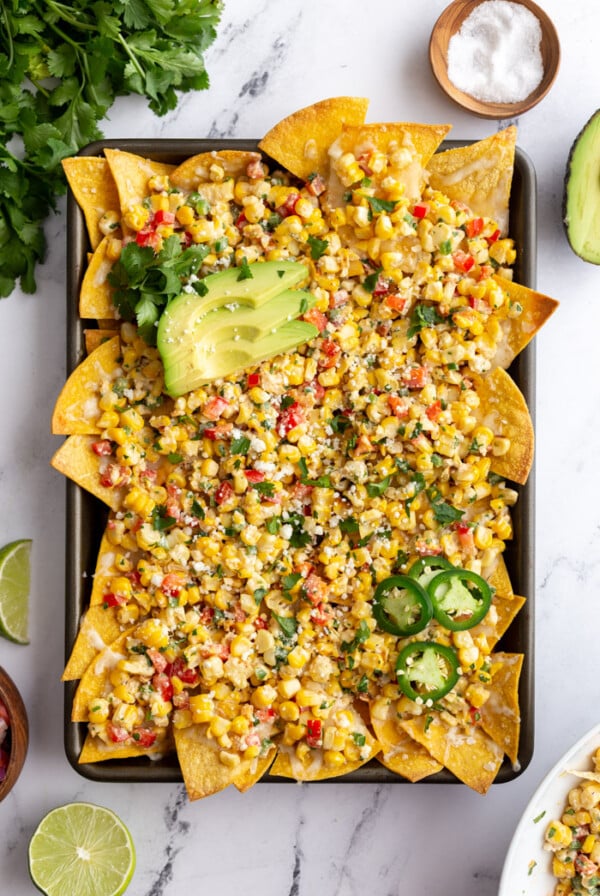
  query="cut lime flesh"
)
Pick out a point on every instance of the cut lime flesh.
point(14, 590)
point(81, 849)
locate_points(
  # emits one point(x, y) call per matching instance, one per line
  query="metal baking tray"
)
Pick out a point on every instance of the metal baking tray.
point(86, 516)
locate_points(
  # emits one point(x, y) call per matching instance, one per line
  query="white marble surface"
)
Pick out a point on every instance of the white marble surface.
point(334, 839)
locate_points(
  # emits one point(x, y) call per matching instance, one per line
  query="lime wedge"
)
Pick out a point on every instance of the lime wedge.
point(14, 590)
point(81, 850)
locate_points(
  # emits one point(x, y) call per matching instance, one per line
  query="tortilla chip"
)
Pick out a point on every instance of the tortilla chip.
point(76, 460)
point(300, 142)
point(287, 764)
point(399, 752)
point(480, 175)
point(469, 753)
point(421, 141)
point(196, 170)
point(507, 607)
point(94, 189)
point(520, 329)
point(500, 716)
point(95, 750)
point(203, 772)
point(95, 298)
point(99, 628)
point(76, 409)
point(93, 338)
point(131, 174)
point(249, 777)
point(95, 680)
point(498, 578)
point(504, 409)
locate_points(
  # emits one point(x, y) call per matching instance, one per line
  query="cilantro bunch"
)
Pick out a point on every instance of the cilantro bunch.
point(62, 64)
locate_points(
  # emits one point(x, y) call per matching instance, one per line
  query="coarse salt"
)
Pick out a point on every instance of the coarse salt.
point(496, 55)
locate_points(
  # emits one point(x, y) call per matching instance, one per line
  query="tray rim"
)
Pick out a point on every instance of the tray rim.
point(521, 552)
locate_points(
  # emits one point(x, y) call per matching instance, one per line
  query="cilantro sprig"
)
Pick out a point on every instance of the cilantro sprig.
point(61, 67)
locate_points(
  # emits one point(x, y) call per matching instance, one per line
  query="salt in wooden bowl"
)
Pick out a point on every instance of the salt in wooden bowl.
point(450, 22)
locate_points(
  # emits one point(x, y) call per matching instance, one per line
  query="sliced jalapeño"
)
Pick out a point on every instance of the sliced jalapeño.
point(401, 606)
point(460, 598)
point(424, 569)
point(426, 670)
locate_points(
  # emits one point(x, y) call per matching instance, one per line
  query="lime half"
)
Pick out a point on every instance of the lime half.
point(14, 590)
point(81, 850)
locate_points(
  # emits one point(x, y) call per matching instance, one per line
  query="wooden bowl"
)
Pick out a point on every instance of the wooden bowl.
point(18, 733)
point(450, 22)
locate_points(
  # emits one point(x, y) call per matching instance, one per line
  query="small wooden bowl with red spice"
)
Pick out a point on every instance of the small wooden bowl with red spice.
point(16, 738)
point(451, 21)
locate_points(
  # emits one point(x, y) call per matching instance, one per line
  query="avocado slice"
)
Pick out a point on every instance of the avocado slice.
point(201, 338)
point(581, 204)
point(209, 360)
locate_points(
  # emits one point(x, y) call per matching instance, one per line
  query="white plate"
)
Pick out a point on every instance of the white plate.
point(527, 868)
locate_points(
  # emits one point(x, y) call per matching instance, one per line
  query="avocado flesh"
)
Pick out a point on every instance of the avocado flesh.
point(210, 360)
point(202, 338)
point(582, 193)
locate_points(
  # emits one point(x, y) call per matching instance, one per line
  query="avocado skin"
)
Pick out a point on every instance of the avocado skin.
point(237, 323)
point(569, 214)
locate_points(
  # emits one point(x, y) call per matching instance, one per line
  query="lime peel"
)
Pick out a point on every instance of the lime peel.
point(14, 590)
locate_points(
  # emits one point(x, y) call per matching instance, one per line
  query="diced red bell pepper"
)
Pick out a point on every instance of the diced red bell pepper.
point(416, 377)
point(157, 659)
point(103, 447)
point(316, 589)
point(434, 410)
point(463, 261)
point(493, 237)
point(253, 380)
point(162, 685)
point(395, 302)
point(420, 210)
point(254, 475)
point(289, 206)
point(163, 217)
point(215, 407)
point(330, 352)
point(241, 220)
point(316, 318)
point(255, 169)
point(314, 732)
point(116, 733)
point(398, 405)
point(179, 669)
point(144, 737)
point(316, 185)
point(113, 600)
point(224, 492)
point(171, 585)
point(473, 227)
point(289, 418)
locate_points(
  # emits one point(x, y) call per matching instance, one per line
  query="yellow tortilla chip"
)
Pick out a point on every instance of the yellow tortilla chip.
point(480, 175)
point(251, 776)
point(300, 142)
point(196, 170)
point(95, 750)
point(202, 770)
point(94, 189)
point(399, 752)
point(95, 298)
point(504, 409)
point(76, 460)
point(99, 628)
point(76, 409)
point(95, 680)
point(408, 146)
point(498, 577)
point(469, 753)
point(131, 174)
point(500, 716)
point(93, 338)
point(520, 329)
point(506, 608)
point(105, 568)
point(288, 765)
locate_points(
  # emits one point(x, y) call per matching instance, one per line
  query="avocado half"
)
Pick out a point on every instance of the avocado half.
point(581, 202)
point(236, 323)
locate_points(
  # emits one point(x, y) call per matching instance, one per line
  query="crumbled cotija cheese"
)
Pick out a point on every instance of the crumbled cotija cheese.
point(496, 56)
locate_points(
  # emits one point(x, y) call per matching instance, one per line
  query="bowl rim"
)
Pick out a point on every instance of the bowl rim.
point(11, 697)
point(454, 15)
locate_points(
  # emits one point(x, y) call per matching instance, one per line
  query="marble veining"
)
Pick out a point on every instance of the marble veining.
point(331, 839)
